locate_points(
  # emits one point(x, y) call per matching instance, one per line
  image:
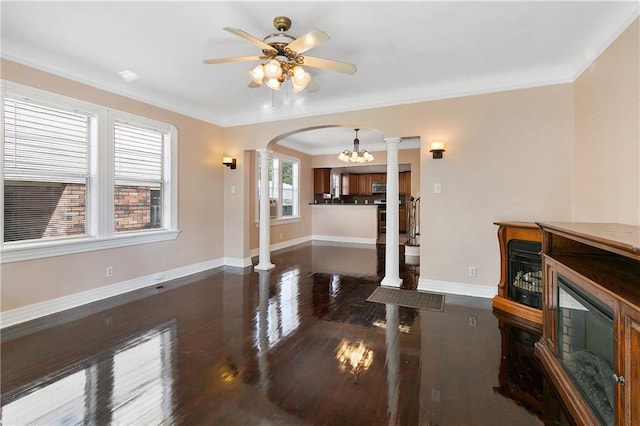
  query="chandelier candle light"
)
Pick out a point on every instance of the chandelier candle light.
point(357, 155)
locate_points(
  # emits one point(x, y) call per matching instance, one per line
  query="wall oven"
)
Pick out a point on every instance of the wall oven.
point(382, 219)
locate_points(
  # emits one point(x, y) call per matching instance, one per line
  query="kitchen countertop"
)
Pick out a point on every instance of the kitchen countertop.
point(346, 204)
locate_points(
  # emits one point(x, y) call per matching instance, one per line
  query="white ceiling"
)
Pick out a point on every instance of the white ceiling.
point(405, 52)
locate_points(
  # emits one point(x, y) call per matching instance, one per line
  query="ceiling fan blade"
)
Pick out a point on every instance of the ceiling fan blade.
point(309, 40)
point(329, 64)
point(251, 39)
point(312, 87)
point(236, 59)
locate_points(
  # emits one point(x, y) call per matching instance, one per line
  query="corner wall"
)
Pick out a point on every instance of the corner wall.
point(606, 171)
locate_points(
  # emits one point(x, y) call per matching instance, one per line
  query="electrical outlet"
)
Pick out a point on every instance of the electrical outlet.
point(109, 271)
point(473, 271)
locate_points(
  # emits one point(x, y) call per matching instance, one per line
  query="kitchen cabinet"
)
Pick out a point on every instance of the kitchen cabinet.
point(321, 181)
point(402, 219)
point(378, 177)
point(349, 184)
point(364, 184)
point(404, 183)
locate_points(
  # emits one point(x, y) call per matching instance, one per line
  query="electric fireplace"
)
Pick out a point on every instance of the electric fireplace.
point(585, 347)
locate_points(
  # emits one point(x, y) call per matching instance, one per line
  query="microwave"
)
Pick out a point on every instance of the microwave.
point(378, 187)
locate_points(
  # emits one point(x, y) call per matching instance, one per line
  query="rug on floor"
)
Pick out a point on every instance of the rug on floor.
point(408, 298)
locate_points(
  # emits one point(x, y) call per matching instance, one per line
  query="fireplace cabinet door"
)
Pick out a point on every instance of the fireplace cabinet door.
point(629, 391)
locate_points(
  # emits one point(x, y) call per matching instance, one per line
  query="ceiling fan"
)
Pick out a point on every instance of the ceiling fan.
point(284, 60)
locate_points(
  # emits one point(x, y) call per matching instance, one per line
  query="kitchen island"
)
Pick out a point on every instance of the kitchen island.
point(347, 223)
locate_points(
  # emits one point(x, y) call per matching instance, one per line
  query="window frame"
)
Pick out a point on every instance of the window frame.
point(100, 233)
point(278, 185)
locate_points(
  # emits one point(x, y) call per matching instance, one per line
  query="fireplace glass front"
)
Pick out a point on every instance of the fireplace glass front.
point(525, 272)
point(585, 347)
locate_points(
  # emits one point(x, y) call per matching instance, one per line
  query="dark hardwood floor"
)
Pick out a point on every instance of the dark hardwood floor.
point(298, 345)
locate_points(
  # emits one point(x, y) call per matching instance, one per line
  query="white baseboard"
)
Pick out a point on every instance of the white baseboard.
point(282, 245)
point(463, 289)
point(340, 239)
point(48, 307)
point(237, 262)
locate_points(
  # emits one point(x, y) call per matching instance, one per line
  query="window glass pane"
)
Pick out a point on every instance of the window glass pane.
point(138, 154)
point(45, 171)
point(289, 188)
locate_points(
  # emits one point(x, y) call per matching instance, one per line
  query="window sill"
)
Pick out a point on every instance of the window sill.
point(276, 222)
point(30, 251)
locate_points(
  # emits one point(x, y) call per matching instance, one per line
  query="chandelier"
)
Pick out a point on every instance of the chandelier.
point(357, 155)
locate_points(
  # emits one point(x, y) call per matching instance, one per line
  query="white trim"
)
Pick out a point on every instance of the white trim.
point(282, 245)
point(338, 239)
point(48, 307)
point(237, 262)
point(464, 289)
point(40, 250)
point(283, 221)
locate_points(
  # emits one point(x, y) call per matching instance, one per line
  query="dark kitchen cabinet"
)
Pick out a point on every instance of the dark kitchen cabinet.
point(321, 181)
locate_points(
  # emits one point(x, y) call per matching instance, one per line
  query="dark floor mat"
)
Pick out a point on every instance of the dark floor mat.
point(408, 298)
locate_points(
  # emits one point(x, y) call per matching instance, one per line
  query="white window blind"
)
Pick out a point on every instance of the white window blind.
point(45, 171)
point(43, 143)
point(138, 155)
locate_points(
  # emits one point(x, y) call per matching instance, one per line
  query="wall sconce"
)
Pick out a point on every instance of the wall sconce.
point(229, 162)
point(437, 148)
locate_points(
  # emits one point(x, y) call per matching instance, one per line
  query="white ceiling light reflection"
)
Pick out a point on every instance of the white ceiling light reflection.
point(354, 357)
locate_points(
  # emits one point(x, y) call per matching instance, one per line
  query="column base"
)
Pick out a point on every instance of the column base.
point(391, 282)
point(264, 267)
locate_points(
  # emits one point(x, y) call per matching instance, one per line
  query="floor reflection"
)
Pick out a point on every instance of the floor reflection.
point(294, 345)
point(134, 380)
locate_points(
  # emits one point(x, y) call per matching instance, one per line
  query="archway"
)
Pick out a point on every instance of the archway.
point(392, 235)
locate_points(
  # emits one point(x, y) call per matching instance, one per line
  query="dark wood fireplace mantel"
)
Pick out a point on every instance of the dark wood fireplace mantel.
point(507, 231)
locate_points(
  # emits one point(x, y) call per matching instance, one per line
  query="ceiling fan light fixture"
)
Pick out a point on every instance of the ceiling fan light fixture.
point(273, 84)
point(257, 74)
point(299, 73)
point(273, 69)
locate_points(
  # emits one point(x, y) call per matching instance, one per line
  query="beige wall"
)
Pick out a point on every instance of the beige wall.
point(200, 209)
point(508, 158)
point(606, 174)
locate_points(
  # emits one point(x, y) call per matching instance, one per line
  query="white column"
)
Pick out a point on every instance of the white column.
point(392, 258)
point(264, 259)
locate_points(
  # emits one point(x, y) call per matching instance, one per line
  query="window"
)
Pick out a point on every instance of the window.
point(284, 183)
point(138, 177)
point(78, 177)
point(46, 153)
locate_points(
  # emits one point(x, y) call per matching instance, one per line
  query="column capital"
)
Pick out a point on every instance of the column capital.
point(392, 143)
point(264, 150)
